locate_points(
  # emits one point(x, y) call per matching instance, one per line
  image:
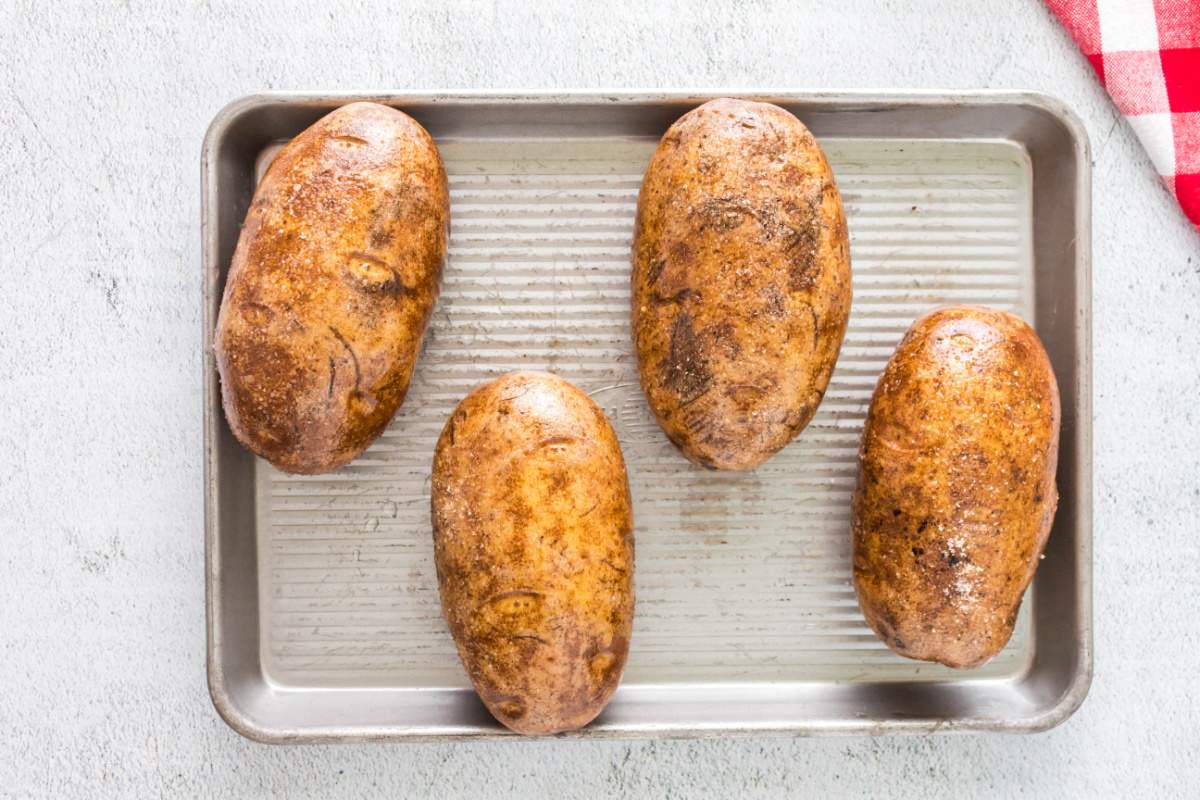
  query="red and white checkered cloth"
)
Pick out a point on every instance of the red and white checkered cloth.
point(1147, 54)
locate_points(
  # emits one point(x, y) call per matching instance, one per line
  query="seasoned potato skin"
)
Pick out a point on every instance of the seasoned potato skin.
point(533, 538)
point(741, 281)
point(956, 490)
point(331, 287)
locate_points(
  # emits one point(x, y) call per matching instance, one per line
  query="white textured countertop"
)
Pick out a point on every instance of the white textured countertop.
point(102, 111)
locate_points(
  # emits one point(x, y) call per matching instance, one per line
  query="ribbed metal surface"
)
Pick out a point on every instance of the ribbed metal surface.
point(739, 577)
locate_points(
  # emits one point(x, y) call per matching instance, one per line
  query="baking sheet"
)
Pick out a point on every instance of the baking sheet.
point(323, 611)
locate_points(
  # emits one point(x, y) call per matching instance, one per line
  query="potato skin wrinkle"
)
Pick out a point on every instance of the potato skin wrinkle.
point(956, 492)
point(740, 281)
point(533, 542)
point(331, 287)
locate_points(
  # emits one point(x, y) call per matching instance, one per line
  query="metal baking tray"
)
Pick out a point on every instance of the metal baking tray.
point(323, 615)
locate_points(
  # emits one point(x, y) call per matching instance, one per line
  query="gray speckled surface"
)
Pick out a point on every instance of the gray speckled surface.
point(102, 110)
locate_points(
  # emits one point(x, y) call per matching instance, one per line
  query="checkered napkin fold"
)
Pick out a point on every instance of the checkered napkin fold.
point(1147, 54)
